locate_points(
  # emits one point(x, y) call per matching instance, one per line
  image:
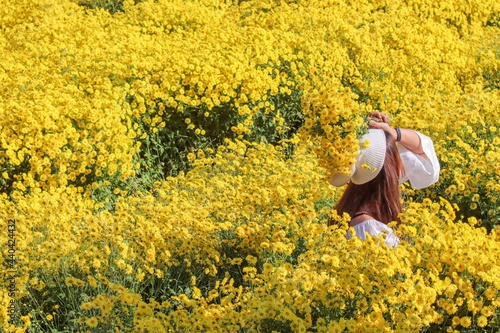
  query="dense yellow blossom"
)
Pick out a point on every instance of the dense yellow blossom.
point(239, 243)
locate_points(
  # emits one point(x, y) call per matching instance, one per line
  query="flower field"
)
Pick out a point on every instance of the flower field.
point(163, 165)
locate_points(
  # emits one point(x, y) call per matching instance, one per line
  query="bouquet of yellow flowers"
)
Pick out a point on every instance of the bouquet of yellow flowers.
point(334, 122)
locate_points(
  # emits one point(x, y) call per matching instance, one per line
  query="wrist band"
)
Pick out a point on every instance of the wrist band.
point(399, 134)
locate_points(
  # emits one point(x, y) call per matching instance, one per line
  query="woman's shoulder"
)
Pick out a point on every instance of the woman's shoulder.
point(375, 228)
point(372, 225)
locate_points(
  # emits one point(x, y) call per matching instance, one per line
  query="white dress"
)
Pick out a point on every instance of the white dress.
point(420, 172)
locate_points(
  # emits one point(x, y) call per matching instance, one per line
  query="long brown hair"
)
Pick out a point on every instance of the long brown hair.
point(379, 197)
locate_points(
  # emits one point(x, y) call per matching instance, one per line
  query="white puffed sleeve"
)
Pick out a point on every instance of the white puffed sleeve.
point(421, 172)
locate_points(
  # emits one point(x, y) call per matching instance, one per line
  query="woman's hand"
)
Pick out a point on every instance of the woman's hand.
point(382, 123)
point(381, 116)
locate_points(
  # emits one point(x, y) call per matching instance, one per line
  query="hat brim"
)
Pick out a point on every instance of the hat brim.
point(340, 179)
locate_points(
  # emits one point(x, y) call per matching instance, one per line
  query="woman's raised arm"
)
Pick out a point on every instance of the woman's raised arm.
point(409, 138)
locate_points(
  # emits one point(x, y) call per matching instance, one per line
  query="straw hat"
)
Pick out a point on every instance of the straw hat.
point(369, 161)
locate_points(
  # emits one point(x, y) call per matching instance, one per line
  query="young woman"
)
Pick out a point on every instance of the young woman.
point(392, 157)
